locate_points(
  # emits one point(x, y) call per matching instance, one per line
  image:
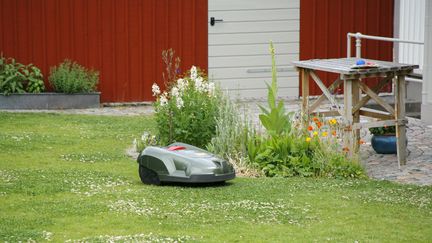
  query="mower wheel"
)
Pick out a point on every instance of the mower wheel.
point(148, 176)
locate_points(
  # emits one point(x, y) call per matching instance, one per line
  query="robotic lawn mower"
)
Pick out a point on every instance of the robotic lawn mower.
point(180, 162)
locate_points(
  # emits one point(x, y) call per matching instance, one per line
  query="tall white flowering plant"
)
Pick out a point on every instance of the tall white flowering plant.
point(187, 110)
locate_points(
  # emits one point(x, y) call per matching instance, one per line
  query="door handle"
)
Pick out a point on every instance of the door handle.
point(213, 21)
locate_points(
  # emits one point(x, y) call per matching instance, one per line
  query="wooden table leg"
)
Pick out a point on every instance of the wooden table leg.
point(356, 114)
point(348, 134)
point(400, 115)
point(305, 95)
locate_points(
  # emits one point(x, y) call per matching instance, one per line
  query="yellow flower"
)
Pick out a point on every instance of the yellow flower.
point(324, 134)
point(315, 133)
point(308, 139)
point(333, 122)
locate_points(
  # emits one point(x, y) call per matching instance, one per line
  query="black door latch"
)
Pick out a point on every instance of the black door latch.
point(213, 21)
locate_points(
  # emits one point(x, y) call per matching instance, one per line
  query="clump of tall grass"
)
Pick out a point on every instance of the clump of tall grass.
point(233, 130)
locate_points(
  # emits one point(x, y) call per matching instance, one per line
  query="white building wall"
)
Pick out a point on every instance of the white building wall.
point(239, 57)
point(411, 27)
point(426, 110)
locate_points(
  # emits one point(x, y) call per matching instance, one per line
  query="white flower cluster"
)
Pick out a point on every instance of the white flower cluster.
point(155, 89)
point(200, 84)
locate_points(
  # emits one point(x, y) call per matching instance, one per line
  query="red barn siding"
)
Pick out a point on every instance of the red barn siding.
point(123, 39)
point(325, 23)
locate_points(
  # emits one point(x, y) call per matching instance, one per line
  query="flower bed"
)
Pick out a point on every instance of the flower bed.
point(22, 86)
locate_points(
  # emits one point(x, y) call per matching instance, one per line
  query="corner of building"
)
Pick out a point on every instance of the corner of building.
point(426, 108)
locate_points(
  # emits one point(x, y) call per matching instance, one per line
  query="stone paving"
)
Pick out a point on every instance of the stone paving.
point(418, 169)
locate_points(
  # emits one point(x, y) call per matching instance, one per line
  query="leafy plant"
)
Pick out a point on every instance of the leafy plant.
point(19, 78)
point(187, 112)
point(70, 77)
point(11, 77)
point(275, 119)
point(35, 82)
point(386, 130)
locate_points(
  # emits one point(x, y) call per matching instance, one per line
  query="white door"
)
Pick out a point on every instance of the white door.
point(239, 40)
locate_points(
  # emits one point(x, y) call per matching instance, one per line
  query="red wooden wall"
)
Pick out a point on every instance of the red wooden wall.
point(123, 39)
point(325, 23)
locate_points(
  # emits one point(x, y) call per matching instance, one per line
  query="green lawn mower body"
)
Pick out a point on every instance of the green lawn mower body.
point(180, 162)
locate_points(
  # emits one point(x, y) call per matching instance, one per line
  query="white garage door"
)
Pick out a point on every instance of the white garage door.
point(239, 45)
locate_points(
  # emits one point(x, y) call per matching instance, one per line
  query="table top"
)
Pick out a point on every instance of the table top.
point(345, 66)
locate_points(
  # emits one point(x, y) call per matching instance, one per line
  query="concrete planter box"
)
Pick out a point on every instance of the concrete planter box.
point(50, 101)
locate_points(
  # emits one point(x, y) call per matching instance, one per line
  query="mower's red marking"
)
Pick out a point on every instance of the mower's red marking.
point(174, 148)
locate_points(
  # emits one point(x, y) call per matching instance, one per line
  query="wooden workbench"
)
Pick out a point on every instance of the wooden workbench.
point(356, 95)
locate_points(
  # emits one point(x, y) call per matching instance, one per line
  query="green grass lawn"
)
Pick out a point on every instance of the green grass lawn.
point(67, 178)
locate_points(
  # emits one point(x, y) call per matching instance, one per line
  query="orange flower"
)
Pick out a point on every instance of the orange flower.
point(345, 149)
point(308, 139)
point(315, 119)
point(310, 128)
point(319, 124)
point(361, 141)
point(333, 133)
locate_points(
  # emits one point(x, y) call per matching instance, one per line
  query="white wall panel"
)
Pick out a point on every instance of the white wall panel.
point(239, 56)
point(257, 83)
point(411, 27)
point(253, 38)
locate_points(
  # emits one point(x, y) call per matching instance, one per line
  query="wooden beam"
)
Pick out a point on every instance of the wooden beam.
point(378, 99)
point(383, 82)
point(326, 113)
point(325, 91)
point(305, 95)
point(356, 114)
point(360, 76)
point(320, 99)
point(400, 114)
point(379, 124)
point(348, 115)
point(376, 114)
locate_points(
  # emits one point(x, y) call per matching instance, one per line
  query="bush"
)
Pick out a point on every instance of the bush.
point(70, 77)
point(188, 111)
point(233, 131)
point(18, 78)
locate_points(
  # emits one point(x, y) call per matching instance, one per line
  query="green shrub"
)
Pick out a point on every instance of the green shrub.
point(18, 78)
point(188, 111)
point(233, 131)
point(70, 77)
